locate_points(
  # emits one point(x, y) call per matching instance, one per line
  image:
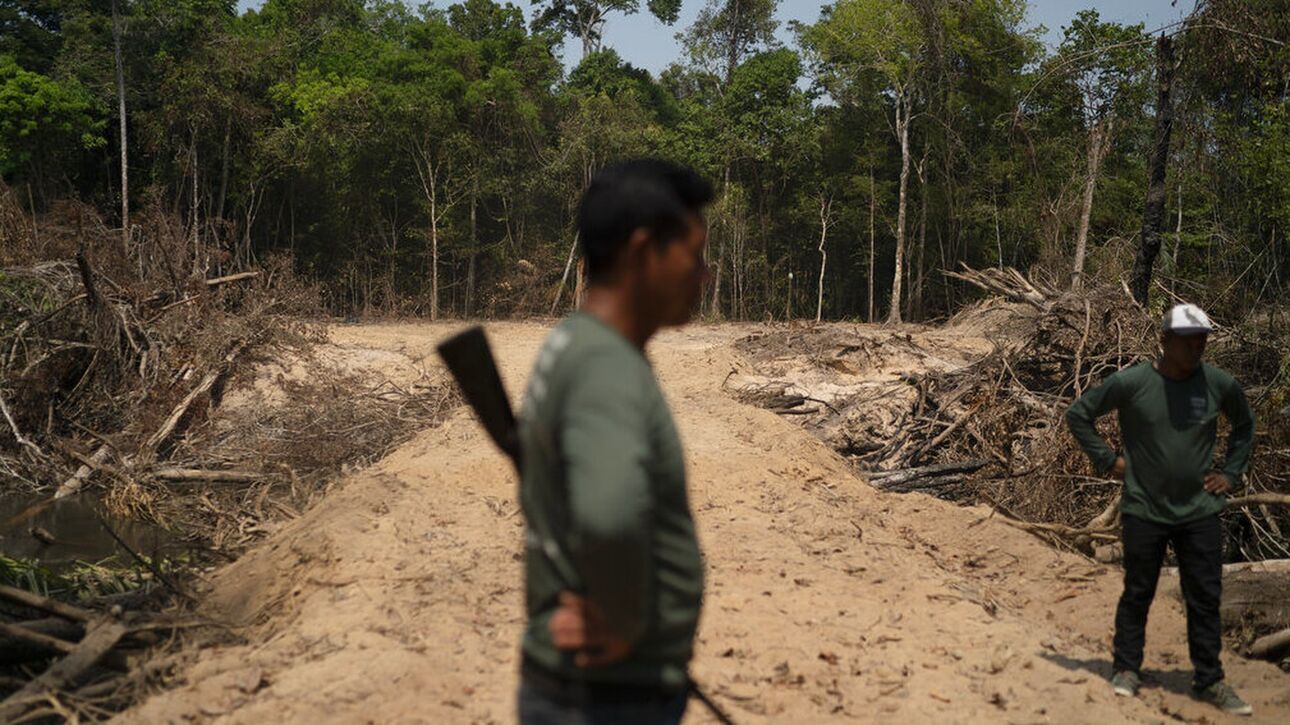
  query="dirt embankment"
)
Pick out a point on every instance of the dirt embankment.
point(398, 597)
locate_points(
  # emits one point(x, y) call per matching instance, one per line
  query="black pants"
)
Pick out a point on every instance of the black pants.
point(547, 699)
point(1199, 548)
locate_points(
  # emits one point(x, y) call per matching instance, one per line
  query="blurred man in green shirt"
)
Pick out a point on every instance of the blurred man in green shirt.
point(1168, 412)
point(613, 572)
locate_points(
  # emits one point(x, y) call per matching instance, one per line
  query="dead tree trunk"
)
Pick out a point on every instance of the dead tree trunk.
point(904, 105)
point(1154, 212)
point(568, 265)
point(99, 640)
point(826, 204)
point(1099, 135)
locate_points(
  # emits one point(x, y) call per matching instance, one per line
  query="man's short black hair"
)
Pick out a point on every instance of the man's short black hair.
point(651, 193)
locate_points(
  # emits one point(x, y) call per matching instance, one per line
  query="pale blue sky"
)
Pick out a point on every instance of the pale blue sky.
point(643, 41)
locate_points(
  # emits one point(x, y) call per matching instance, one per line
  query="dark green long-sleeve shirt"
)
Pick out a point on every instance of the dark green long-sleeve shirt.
point(1169, 428)
point(603, 490)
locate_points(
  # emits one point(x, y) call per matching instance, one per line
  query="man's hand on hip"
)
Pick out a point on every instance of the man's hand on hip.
point(1118, 469)
point(1217, 483)
point(579, 626)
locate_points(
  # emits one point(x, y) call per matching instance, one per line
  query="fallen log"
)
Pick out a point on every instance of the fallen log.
point(16, 651)
point(889, 479)
point(1269, 647)
point(217, 281)
point(783, 402)
point(99, 640)
point(1260, 499)
point(1266, 566)
point(1109, 517)
point(1254, 593)
point(210, 284)
point(76, 480)
point(207, 382)
point(172, 420)
point(931, 483)
point(197, 475)
point(45, 604)
point(37, 639)
point(795, 411)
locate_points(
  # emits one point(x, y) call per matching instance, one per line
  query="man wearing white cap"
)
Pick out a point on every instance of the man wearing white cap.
point(1168, 412)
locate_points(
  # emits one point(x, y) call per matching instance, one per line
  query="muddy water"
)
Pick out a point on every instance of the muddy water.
point(69, 530)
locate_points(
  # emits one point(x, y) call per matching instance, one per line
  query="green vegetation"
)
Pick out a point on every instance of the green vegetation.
point(429, 161)
point(78, 582)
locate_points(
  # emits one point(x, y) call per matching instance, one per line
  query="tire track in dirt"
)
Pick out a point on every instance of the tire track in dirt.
point(397, 599)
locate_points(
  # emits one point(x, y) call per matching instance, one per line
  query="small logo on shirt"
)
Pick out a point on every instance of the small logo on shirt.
point(1199, 407)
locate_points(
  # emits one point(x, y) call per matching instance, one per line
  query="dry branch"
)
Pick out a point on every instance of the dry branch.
point(76, 480)
point(197, 475)
point(890, 479)
point(1267, 566)
point(1009, 283)
point(44, 604)
point(39, 639)
point(1271, 645)
point(1260, 499)
point(99, 640)
point(207, 382)
point(17, 434)
point(217, 281)
point(18, 651)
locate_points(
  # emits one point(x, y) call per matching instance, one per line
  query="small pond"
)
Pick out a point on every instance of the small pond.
point(61, 533)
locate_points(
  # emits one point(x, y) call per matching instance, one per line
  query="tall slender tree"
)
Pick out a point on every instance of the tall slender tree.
point(867, 46)
point(121, 122)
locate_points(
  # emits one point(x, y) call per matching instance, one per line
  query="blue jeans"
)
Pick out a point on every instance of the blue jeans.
point(540, 708)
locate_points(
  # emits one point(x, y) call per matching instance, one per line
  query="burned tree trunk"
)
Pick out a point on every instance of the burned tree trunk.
point(1154, 213)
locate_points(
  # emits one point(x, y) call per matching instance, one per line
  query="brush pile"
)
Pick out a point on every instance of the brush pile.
point(116, 351)
point(991, 429)
point(113, 348)
point(117, 354)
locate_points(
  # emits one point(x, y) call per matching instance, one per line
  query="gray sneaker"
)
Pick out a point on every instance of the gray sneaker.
point(1222, 696)
point(1126, 683)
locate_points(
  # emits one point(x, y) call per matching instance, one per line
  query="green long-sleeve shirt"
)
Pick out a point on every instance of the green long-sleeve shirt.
point(603, 490)
point(1169, 428)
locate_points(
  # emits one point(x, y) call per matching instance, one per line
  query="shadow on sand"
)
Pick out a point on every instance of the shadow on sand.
point(1177, 680)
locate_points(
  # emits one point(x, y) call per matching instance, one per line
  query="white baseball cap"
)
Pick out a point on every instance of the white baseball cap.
point(1187, 319)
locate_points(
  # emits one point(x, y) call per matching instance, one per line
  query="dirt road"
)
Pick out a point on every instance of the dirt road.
point(397, 599)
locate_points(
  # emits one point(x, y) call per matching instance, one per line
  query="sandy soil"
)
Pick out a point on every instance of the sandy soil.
point(397, 599)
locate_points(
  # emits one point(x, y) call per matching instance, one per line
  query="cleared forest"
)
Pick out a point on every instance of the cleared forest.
point(231, 467)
